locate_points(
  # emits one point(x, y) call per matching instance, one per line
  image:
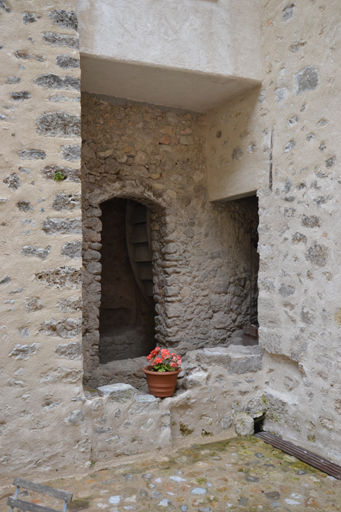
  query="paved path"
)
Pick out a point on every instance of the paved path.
point(243, 474)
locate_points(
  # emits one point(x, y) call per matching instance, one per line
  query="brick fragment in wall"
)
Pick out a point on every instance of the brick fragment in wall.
point(61, 277)
point(67, 62)
point(29, 17)
point(64, 19)
point(24, 55)
point(38, 252)
point(72, 152)
point(67, 328)
point(69, 173)
point(58, 124)
point(12, 181)
point(55, 226)
point(32, 154)
point(64, 201)
point(54, 39)
point(72, 249)
point(52, 81)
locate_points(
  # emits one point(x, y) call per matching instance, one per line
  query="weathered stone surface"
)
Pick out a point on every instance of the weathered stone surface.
point(75, 418)
point(68, 173)
point(34, 304)
point(24, 206)
point(54, 39)
point(5, 280)
point(22, 54)
point(70, 351)
point(144, 404)
point(62, 374)
point(195, 379)
point(29, 17)
point(52, 81)
point(64, 19)
point(61, 277)
point(12, 181)
point(72, 152)
point(117, 392)
point(53, 226)
point(306, 80)
point(72, 249)
point(286, 290)
point(288, 11)
point(62, 202)
point(24, 351)
point(20, 96)
point(58, 124)
point(317, 254)
point(244, 425)
point(68, 328)
point(38, 252)
point(4, 7)
point(67, 62)
point(70, 305)
point(32, 154)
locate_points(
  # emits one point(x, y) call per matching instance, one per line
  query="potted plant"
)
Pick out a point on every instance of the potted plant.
point(162, 372)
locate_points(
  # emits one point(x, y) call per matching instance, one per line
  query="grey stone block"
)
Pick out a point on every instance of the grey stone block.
point(117, 392)
point(144, 404)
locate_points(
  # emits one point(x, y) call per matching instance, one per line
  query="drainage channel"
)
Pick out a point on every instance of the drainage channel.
point(314, 460)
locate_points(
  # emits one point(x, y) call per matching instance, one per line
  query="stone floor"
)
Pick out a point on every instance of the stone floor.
point(242, 474)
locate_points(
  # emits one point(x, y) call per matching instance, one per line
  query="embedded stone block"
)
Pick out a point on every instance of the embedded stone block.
point(117, 392)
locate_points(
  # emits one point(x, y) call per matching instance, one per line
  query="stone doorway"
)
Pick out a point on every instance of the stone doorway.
point(126, 321)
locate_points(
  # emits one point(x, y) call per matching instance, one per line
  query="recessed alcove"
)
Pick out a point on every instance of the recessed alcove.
point(127, 306)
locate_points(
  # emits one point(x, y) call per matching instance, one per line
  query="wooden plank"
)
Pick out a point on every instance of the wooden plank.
point(145, 271)
point(311, 458)
point(138, 214)
point(138, 234)
point(141, 252)
point(30, 507)
point(43, 489)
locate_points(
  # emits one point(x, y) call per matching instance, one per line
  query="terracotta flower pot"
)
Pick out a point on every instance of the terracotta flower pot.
point(161, 384)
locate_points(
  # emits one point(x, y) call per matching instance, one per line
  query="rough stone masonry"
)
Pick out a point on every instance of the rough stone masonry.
point(286, 131)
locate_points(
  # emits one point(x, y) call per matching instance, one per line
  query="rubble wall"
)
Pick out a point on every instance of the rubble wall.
point(289, 131)
point(201, 251)
point(40, 279)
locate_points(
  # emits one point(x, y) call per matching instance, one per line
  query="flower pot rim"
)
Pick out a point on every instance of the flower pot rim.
point(146, 370)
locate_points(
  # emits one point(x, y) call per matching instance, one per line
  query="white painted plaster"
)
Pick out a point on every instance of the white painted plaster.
point(193, 54)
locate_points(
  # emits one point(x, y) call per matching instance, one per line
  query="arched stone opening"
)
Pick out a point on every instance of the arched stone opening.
point(118, 299)
point(126, 321)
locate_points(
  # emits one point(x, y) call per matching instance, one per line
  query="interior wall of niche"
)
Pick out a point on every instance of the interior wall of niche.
point(127, 310)
point(243, 289)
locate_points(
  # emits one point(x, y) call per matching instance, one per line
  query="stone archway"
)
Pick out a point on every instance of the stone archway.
point(93, 201)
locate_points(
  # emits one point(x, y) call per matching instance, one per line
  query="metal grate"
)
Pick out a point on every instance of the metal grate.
point(314, 460)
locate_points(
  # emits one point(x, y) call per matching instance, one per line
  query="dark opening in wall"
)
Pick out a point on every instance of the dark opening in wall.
point(127, 305)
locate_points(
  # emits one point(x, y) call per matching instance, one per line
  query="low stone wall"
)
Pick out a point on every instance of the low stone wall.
point(219, 396)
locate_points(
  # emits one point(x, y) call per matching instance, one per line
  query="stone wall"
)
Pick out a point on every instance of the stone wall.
point(201, 251)
point(287, 134)
point(40, 281)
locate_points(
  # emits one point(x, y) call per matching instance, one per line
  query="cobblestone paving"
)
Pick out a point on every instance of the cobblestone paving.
point(242, 474)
